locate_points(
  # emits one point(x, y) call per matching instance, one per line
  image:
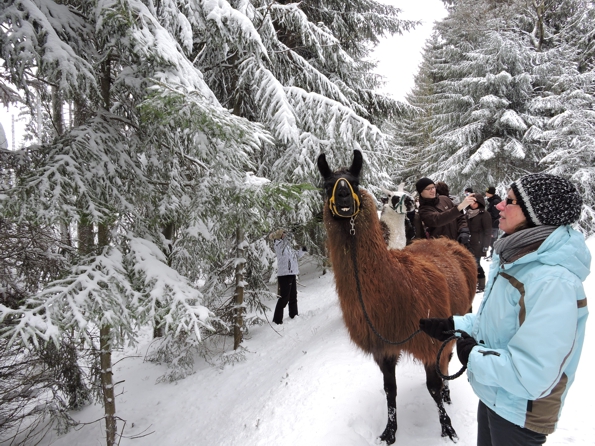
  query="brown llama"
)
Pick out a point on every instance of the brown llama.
point(429, 278)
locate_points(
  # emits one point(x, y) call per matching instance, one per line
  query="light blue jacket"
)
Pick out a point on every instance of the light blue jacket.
point(287, 257)
point(530, 328)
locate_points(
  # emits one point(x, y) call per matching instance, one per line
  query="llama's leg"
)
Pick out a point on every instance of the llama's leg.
point(387, 366)
point(434, 384)
point(446, 388)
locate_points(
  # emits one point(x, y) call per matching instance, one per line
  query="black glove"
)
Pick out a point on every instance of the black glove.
point(464, 346)
point(464, 236)
point(436, 327)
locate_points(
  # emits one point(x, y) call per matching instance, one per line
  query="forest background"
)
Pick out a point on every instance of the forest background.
point(169, 138)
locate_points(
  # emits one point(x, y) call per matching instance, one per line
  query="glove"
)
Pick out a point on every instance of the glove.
point(436, 327)
point(464, 346)
point(464, 236)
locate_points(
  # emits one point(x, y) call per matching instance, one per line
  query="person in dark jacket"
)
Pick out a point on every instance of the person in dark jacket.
point(443, 189)
point(479, 223)
point(287, 271)
point(493, 200)
point(440, 217)
point(523, 345)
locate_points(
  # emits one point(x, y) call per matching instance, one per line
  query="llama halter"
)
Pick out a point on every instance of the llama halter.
point(400, 206)
point(332, 202)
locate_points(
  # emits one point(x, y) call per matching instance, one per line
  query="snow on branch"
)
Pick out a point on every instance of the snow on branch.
point(331, 120)
point(232, 25)
point(317, 37)
point(47, 43)
point(165, 295)
point(272, 101)
point(93, 294)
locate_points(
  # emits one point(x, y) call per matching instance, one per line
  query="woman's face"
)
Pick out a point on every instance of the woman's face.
point(511, 215)
point(429, 191)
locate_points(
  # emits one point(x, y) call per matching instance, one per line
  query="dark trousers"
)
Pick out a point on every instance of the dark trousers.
point(493, 430)
point(287, 290)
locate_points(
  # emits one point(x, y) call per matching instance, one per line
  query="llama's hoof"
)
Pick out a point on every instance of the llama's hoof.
point(448, 431)
point(388, 436)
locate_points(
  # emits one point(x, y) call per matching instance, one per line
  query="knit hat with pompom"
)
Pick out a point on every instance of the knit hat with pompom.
point(547, 199)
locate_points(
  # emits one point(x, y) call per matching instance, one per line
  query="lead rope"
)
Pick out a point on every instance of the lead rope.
point(359, 292)
point(460, 372)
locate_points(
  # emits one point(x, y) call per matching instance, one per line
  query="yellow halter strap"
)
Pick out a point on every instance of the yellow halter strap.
point(333, 206)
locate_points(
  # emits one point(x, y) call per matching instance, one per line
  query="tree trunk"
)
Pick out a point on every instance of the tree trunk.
point(107, 384)
point(239, 295)
point(105, 343)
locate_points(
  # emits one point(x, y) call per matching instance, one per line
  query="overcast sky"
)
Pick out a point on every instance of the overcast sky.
point(399, 56)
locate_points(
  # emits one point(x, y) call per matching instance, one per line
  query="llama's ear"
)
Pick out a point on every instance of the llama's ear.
point(387, 192)
point(401, 187)
point(323, 167)
point(356, 165)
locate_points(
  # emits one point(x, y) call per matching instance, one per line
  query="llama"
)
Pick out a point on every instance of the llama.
point(396, 226)
point(392, 290)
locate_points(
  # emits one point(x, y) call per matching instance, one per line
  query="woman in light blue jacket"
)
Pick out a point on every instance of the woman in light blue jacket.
point(523, 345)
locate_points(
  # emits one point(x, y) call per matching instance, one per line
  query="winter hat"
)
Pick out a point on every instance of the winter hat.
point(491, 190)
point(470, 190)
point(547, 199)
point(422, 184)
point(480, 201)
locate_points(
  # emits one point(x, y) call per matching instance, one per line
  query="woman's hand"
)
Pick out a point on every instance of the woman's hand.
point(468, 201)
point(437, 328)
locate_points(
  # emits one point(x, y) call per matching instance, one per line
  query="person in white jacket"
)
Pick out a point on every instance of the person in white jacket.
point(287, 271)
point(523, 345)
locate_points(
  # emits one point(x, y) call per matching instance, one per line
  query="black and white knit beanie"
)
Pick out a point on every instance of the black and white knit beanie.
point(548, 199)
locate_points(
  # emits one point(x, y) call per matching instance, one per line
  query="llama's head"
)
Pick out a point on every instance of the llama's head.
point(400, 201)
point(342, 187)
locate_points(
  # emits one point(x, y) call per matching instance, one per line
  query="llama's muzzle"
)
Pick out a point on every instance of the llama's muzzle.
point(344, 202)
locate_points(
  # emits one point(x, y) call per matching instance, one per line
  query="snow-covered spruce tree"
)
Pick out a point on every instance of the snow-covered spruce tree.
point(412, 132)
point(300, 70)
point(570, 132)
point(105, 178)
point(505, 72)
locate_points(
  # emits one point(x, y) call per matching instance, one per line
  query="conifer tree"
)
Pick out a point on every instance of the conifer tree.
point(508, 94)
point(159, 127)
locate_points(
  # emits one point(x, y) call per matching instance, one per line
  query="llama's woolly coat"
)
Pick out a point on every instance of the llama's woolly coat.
point(435, 285)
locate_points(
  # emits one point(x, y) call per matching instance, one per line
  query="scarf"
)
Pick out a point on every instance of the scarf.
point(429, 201)
point(473, 213)
point(509, 246)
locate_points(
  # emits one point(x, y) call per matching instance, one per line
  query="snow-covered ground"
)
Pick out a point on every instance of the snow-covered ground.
point(305, 384)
